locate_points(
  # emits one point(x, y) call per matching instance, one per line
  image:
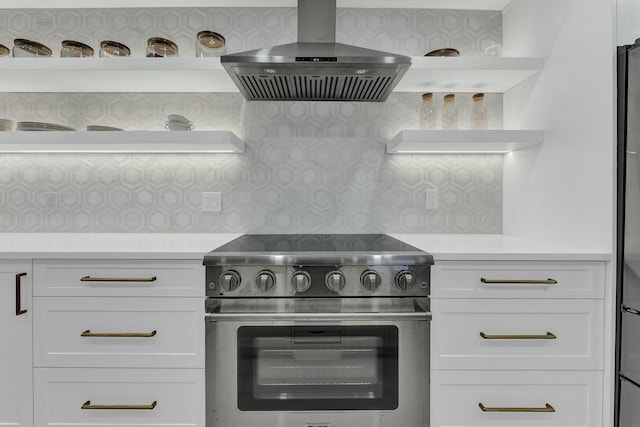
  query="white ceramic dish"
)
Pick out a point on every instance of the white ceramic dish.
point(178, 118)
point(102, 128)
point(40, 126)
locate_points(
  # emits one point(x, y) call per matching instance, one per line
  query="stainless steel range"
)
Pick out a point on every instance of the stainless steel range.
point(317, 331)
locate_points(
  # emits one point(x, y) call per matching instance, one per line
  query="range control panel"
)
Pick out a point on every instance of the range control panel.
point(317, 281)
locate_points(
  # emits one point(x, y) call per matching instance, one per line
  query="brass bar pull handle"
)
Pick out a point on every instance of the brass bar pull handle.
point(118, 279)
point(19, 309)
point(547, 408)
point(88, 405)
point(88, 333)
point(518, 281)
point(547, 336)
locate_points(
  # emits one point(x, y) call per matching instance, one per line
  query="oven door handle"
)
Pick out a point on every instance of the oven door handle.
point(319, 317)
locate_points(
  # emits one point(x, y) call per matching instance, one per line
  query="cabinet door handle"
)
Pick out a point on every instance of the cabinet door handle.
point(518, 281)
point(118, 279)
point(630, 310)
point(547, 336)
point(88, 405)
point(88, 333)
point(547, 408)
point(19, 309)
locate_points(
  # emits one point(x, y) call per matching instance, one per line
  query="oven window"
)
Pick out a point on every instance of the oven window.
point(317, 368)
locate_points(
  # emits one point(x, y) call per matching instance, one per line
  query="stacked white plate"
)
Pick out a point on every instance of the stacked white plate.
point(101, 128)
point(39, 126)
point(178, 122)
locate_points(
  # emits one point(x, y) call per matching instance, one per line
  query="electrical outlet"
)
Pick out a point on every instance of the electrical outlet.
point(433, 198)
point(51, 200)
point(211, 202)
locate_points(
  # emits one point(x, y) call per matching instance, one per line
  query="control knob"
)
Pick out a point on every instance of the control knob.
point(301, 281)
point(335, 280)
point(405, 280)
point(370, 280)
point(265, 280)
point(230, 280)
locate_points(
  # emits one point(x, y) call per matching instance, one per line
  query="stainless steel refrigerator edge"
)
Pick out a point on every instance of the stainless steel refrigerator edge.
point(627, 412)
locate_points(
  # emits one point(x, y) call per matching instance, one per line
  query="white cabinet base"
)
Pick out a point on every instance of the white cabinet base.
point(576, 398)
point(60, 395)
point(15, 346)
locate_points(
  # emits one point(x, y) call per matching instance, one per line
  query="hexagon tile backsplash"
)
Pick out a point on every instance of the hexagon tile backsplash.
point(309, 167)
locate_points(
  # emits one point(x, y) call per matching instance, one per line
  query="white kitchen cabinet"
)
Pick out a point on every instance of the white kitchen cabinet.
point(517, 279)
point(15, 344)
point(119, 332)
point(119, 397)
point(517, 334)
point(113, 333)
point(127, 278)
point(574, 399)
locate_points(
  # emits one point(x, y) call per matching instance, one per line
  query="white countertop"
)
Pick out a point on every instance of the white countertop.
point(196, 245)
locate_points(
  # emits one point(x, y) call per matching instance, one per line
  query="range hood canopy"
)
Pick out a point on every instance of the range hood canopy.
point(316, 68)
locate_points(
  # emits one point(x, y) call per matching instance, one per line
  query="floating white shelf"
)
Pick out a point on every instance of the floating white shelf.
point(467, 74)
point(435, 74)
point(114, 75)
point(120, 142)
point(401, 4)
point(463, 141)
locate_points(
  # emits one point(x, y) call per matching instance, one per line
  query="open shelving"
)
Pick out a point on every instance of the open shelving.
point(206, 75)
point(404, 4)
point(463, 141)
point(120, 142)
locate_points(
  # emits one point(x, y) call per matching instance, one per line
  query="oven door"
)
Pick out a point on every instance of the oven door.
point(321, 362)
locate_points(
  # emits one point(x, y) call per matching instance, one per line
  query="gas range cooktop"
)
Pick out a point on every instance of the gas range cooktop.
point(317, 265)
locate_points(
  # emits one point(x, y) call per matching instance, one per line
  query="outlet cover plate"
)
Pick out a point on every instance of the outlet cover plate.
point(211, 201)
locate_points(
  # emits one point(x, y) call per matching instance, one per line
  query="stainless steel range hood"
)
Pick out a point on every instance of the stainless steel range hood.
point(316, 68)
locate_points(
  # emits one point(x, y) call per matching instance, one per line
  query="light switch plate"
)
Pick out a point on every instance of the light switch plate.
point(211, 202)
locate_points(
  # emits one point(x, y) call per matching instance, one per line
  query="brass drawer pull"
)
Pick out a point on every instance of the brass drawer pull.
point(88, 405)
point(547, 408)
point(547, 336)
point(19, 309)
point(518, 281)
point(118, 279)
point(88, 333)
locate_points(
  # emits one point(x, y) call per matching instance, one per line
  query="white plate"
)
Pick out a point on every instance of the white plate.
point(38, 126)
point(102, 128)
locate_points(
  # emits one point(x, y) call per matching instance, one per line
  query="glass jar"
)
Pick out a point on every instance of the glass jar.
point(209, 43)
point(4, 51)
point(157, 47)
point(111, 49)
point(449, 112)
point(427, 112)
point(74, 49)
point(29, 48)
point(478, 119)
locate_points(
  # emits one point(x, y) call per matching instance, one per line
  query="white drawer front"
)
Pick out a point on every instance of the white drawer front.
point(178, 340)
point(457, 325)
point(60, 395)
point(118, 278)
point(465, 279)
point(576, 398)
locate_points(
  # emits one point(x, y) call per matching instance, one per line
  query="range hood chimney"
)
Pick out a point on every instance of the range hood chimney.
point(316, 68)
